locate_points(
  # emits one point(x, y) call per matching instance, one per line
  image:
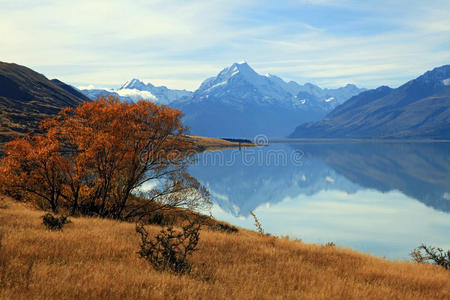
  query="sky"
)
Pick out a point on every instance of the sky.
point(103, 43)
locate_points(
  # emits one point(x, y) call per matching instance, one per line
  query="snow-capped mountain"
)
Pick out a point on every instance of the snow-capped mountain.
point(240, 82)
point(135, 90)
point(160, 94)
point(239, 102)
point(338, 96)
point(271, 87)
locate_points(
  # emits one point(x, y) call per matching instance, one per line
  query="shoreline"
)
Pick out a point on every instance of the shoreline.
point(202, 144)
point(208, 144)
point(352, 141)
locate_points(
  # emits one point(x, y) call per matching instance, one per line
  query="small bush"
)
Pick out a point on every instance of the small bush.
point(428, 254)
point(16, 195)
point(54, 223)
point(169, 249)
point(226, 228)
point(330, 244)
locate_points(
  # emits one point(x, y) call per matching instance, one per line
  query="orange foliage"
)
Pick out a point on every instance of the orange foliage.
point(92, 158)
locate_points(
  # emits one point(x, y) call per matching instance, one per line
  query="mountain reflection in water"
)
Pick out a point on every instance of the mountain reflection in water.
point(381, 198)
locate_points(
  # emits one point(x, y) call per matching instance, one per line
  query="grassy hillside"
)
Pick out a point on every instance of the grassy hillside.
point(95, 258)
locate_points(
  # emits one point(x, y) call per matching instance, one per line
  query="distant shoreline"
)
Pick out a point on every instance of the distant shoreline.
point(348, 140)
point(202, 143)
point(205, 144)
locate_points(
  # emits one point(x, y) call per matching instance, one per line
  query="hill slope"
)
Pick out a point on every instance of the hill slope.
point(27, 97)
point(418, 109)
point(94, 258)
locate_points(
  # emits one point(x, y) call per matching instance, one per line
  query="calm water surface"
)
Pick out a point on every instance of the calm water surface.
point(383, 199)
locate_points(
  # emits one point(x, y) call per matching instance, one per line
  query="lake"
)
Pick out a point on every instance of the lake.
point(380, 198)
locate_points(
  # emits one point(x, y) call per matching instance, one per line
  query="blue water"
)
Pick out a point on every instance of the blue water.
point(383, 199)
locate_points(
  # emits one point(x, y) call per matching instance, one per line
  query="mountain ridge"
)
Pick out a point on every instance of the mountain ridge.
point(135, 89)
point(420, 108)
point(284, 90)
point(27, 97)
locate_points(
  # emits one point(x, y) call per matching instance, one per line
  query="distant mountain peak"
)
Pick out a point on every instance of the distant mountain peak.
point(242, 64)
point(241, 68)
point(240, 84)
point(135, 84)
point(136, 89)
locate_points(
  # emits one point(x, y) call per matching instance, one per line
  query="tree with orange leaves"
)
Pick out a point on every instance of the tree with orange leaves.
point(93, 159)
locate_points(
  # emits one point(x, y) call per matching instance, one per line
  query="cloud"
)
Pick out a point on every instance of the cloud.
point(180, 43)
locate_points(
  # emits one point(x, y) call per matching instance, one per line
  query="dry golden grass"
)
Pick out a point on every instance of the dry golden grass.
point(94, 258)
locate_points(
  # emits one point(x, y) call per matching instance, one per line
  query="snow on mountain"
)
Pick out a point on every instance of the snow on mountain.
point(161, 94)
point(241, 102)
point(136, 84)
point(240, 82)
point(136, 94)
point(327, 98)
point(94, 93)
point(136, 89)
